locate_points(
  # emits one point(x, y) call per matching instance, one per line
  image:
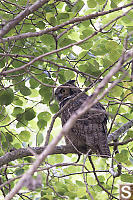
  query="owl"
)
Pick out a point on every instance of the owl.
point(89, 131)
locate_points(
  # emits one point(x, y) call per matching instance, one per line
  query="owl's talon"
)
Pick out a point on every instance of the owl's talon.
point(78, 158)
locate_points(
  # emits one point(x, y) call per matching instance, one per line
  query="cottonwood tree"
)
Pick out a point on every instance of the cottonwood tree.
point(44, 44)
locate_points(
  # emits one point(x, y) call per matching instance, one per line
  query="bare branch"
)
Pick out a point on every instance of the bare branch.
point(121, 143)
point(23, 152)
point(116, 134)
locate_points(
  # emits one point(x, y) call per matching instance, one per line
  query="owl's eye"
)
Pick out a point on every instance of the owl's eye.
point(63, 91)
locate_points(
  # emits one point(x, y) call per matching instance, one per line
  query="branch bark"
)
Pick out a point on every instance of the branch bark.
point(115, 135)
point(21, 16)
point(24, 152)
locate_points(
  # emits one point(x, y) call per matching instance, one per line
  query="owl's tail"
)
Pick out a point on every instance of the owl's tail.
point(97, 140)
point(103, 150)
point(103, 147)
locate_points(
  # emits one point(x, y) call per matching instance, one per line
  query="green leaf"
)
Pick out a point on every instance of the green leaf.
point(41, 124)
point(114, 55)
point(91, 4)
point(62, 78)
point(99, 47)
point(78, 6)
point(46, 93)
point(44, 115)
point(17, 101)
point(25, 91)
point(129, 134)
point(116, 91)
point(49, 7)
point(59, 158)
point(86, 45)
point(17, 110)
point(16, 63)
point(101, 179)
point(2, 112)
point(97, 188)
point(68, 8)
point(86, 33)
point(127, 18)
point(60, 188)
point(83, 68)
point(90, 68)
point(40, 24)
point(100, 1)
point(33, 83)
point(110, 45)
point(6, 96)
point(29, 114)
point(81, 184)
point(85, 24)
point(127, 178)
point(69, 75)
point(122, 156)
point(40, 139)
point(106, 62)
point(61, 16)
point(54, 108)
point(47, 39)
point(65, 42)
point(9, 137)
point(21, 123)
point(113, 4)
point(17, 145)
point(19, 172)
point(24, 136)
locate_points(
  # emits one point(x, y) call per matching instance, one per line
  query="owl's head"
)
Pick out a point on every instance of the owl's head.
point(66, 90)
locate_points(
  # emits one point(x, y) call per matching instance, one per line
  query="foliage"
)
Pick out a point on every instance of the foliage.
point(43, 50)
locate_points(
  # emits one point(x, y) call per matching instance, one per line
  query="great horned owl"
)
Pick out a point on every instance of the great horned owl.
point(89, 131)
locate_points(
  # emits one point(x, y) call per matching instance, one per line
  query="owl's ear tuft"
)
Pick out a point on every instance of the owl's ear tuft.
point(71, 82)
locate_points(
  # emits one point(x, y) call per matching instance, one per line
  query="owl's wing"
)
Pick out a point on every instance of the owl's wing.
point(90, 129)
point(96, 136)
point(93, 125)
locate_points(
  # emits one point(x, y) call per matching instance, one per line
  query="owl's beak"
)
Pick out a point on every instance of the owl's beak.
point(59, 97)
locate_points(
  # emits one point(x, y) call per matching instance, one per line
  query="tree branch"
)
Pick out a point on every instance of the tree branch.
point(21, 16)
point(37, 5)
point(115, 135)
point(128, 53)
point(63, 149)
point(24, 152)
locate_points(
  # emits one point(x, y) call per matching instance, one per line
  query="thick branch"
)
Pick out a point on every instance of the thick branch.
point(115, 135)
point(21, 16)
point(23, 152)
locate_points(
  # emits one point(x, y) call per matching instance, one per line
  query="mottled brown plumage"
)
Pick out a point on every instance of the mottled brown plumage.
point(89, 132)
